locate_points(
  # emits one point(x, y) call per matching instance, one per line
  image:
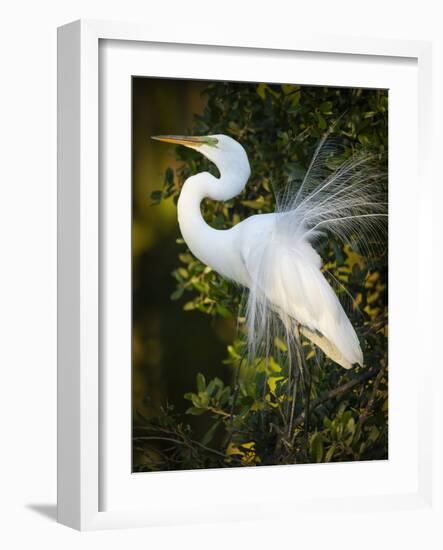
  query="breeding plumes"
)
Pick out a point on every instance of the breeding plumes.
point(272, 255)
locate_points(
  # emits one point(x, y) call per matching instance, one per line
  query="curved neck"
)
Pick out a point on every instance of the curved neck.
point(209, 245)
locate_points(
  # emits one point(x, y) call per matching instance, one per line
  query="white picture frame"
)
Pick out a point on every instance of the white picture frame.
point(81, 413)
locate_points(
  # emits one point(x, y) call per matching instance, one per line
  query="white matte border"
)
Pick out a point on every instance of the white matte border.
point(198, 491)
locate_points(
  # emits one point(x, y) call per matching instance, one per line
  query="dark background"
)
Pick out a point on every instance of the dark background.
point(170, 346)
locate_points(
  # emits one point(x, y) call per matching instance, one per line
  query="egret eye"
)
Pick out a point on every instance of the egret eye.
point(211, 141)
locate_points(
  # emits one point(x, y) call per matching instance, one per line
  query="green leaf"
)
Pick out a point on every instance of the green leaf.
point(186, 258)
point(207, 438)
point(214, 385)
point(178, 293)
point(280, 344)
point(224, 396)
point(203, 398)
point(330, 453)
point(272, 382)
point(233, 352)
point(223, 311)
point(195, 411)
point(350, 426)
point(201, 382)
point(196, 401)
point(326, 107)
point(374, 434)
point(256, 204)
point(273, 366)
point(322, 122)
point(316, 444)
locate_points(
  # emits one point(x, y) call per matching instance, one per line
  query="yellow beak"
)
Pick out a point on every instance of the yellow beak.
point(189, 141)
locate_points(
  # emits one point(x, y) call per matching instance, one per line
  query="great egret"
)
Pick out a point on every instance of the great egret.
point(272, 254)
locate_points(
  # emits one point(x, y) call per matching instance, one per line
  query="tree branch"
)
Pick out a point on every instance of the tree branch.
point(180, 442)
point(336, 392)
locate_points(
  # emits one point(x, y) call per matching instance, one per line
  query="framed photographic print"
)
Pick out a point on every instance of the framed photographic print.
point(231, 256)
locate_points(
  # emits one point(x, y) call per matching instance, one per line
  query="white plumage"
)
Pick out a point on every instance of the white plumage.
point(272, 254)
point(285, 275)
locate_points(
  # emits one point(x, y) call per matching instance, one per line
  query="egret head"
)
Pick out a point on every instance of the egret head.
point(223, 151)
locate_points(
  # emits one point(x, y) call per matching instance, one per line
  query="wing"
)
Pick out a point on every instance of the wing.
point(283, 269)
point(286, 284)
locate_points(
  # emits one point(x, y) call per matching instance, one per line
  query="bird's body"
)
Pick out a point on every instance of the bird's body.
point(269, 254)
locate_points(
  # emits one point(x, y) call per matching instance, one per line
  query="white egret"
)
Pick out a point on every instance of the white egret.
point(272, 254)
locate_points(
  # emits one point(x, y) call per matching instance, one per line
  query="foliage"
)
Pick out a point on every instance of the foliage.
point(260, 419)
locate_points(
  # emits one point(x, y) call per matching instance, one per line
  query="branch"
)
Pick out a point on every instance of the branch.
point(336, 392)
point(367, 410)
point(180, 442)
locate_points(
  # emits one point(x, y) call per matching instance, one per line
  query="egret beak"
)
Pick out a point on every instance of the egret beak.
point(188, 141)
